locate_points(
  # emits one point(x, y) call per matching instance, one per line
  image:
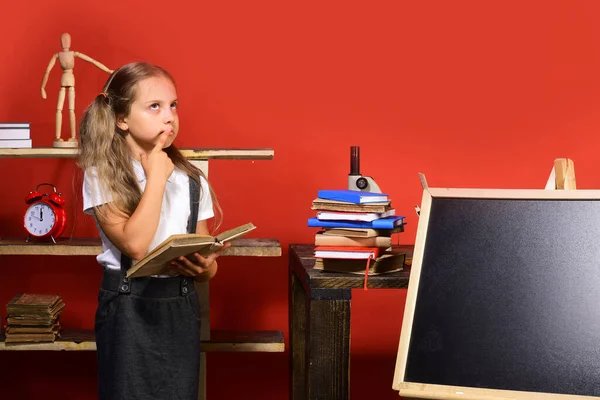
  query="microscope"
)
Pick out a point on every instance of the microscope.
point(355, 180)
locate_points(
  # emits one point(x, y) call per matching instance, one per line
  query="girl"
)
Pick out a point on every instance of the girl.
point(140, 190)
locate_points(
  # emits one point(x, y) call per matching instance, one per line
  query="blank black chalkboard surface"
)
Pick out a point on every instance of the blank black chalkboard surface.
point(504, 297)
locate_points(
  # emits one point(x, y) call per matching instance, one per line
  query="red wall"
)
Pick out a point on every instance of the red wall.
point(471, 93)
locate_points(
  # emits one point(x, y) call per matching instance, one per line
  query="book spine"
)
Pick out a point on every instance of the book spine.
point(352, 216)
point(377, 241)
point(387, 223)
point(314, 222)
point(15, 144)
point(14, 134)
point(13, 125)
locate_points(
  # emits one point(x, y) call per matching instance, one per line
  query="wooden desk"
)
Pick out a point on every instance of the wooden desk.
point(319, 318)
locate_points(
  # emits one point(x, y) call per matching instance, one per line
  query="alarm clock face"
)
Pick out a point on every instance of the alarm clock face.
point(39, 219)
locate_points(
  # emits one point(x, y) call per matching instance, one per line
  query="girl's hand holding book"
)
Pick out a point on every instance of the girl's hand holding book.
point(201, 269)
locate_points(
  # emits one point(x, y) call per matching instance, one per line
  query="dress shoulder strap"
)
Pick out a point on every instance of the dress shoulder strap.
point(194, 205)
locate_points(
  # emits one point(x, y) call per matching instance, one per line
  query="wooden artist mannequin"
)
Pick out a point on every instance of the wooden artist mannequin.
point(67, 61)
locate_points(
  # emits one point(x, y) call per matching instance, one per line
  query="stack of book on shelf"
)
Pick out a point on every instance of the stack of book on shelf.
point(15, 135)
point(356, 232)
point(33, 318)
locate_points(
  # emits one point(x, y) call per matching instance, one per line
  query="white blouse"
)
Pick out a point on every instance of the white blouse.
point(174, 213)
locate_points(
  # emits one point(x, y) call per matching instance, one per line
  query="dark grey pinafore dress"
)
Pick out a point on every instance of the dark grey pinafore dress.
point(148, 332)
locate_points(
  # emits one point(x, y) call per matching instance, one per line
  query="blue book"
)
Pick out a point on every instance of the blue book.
point(381, 223)
point(352, 196)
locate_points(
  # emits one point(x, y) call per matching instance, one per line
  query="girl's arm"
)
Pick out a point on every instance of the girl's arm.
point(133, 234)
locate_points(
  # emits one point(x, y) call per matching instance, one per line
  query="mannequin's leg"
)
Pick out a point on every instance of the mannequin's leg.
point(59, 108)
point(72, 113)
point(58, 142)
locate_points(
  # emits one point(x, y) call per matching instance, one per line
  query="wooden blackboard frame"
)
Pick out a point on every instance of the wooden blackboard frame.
point(420, 390)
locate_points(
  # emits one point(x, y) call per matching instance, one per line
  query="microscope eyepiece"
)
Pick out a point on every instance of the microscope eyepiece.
point(354, 160)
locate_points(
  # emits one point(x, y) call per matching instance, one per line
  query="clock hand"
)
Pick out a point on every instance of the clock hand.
point(41, 214)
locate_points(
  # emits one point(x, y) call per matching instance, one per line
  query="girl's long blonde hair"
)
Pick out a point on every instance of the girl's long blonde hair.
point(103, 144)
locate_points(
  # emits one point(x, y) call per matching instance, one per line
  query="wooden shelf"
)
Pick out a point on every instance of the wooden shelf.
point(190, 154)
point(220, 341)
point(93, 247)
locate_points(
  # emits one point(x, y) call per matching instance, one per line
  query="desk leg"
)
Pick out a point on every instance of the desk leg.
point(297, 320)
point(319, 342)
point(319, 329)
point(328, 342)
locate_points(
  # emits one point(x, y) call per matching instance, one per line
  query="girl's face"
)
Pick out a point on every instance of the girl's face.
point(153, 111)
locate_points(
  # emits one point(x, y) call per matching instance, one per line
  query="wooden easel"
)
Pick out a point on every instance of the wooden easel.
point(562, 176)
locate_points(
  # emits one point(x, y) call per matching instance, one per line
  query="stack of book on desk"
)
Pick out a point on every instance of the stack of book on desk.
point(33, 318)
point(356, 232)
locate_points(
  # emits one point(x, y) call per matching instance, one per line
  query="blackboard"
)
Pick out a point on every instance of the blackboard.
point(508, 293)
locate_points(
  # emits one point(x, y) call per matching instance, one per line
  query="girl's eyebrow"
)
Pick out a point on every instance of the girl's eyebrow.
point(159, 101)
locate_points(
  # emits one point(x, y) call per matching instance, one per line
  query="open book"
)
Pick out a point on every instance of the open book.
point(156, 262)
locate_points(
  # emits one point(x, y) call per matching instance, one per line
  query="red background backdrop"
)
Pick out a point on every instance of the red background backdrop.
point(471, 93)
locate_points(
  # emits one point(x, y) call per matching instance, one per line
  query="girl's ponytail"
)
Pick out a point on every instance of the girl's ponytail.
point(97, 125)
point(103, 147)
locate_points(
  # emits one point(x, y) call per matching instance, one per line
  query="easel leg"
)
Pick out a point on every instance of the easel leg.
point(565, 174)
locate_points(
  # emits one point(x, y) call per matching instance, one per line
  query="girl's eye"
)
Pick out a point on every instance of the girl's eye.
point(174, 105)
point(154, 106)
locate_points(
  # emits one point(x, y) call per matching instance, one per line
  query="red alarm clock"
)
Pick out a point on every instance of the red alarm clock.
point(45, 218)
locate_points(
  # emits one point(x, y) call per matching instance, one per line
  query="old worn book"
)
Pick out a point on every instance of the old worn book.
point(49, 315)
point(156, 262)
point(33, 329)
point(387, 262)
point(30, 337)
point(31, 321)
point(334, 205)
point(34, 304)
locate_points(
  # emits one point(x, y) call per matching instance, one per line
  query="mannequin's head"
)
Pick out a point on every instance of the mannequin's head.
point(65, 41)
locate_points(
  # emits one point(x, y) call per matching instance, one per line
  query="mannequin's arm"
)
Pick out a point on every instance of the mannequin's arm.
point(91, 60)
point(48, 69)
